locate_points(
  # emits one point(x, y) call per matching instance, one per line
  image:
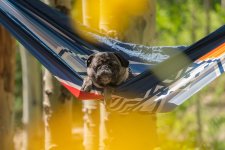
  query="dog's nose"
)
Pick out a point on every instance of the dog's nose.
point(105, 76)
point(106, 72)
point(105, 69)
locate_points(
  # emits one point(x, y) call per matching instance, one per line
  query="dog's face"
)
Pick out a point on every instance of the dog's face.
point(106, 68)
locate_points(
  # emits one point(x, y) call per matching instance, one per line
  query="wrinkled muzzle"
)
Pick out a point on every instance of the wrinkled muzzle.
point(104, 75)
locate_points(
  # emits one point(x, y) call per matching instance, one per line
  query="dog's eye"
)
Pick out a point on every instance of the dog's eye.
point(112, 64)
point(98, 66)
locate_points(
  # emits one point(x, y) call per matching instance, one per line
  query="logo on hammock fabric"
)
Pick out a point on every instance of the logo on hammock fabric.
point(62, 51)
point(76, 61)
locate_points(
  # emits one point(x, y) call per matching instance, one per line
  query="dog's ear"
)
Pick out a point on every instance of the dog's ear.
point(123, 61)
point(89, 60)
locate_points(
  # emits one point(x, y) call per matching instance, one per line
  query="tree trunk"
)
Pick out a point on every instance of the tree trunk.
point(199, 121)
point(137, 28)
point(57, 103)
point(198, 102)
point(57, 114)
point(133, 131)
point(142, 28)
point(32, 101)
point(90, 11)
point(91, 124)
point(207, 4)
point(7, 74)
point(223, 3)
point(91, 108)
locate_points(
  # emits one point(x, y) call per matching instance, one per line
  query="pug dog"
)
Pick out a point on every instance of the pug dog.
point(105, 69)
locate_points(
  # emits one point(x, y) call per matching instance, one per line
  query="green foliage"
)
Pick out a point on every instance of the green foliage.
point(175, 20)
point(181, 22)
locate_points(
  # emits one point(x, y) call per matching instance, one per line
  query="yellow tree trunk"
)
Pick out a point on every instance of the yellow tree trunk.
point(129, 21)
point(7, 74)
point(57, 115)
point(133, 131)
point(90, 11)
point(57, 103)
point(32, 101)
point(91, 109)
point(141, 29)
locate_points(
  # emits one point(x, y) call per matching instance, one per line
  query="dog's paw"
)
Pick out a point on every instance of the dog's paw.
point(86, 88)
point(87, 85)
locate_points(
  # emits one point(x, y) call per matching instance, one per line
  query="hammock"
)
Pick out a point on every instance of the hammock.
point(48, 36)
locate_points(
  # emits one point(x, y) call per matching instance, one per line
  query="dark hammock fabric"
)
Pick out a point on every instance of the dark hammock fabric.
point(48, 36)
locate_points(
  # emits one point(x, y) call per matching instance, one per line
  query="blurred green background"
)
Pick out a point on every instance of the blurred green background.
point(199, 123)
